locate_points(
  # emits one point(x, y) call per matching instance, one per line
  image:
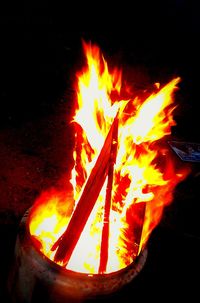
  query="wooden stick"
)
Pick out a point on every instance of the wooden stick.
point(67, 242)
point(138, 216)
point(106, 225)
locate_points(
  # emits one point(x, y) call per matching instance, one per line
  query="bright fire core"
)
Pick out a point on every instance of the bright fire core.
point(143, 175)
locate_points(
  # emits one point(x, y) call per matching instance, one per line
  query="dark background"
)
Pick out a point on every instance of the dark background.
point(40, 42)
point(40, 51)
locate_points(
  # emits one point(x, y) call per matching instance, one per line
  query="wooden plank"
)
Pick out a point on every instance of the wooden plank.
point(107, 208)
point(67, 242)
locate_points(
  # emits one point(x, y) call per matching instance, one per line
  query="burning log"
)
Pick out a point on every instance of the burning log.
point(67, 242)
point(105, 230)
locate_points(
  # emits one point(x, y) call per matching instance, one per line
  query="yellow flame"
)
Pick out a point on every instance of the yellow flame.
point(142, 183)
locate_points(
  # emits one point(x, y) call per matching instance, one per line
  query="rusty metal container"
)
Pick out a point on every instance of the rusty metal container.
point(35, 278)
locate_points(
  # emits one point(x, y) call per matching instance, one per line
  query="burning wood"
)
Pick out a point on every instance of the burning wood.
point(110, 226)
point(68, 240)
point(105, 229)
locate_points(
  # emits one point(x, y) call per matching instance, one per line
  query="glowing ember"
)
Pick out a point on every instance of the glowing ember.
point(136, 184)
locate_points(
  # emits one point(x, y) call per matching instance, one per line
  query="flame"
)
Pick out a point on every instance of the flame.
point(144, 179)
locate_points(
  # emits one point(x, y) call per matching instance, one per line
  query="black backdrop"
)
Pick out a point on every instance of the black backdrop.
point(41, 41)
point(40, 49)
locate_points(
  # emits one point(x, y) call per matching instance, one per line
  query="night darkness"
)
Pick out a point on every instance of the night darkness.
point(40, 53)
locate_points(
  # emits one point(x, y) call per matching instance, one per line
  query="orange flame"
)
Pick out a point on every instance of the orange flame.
point(144, 174)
